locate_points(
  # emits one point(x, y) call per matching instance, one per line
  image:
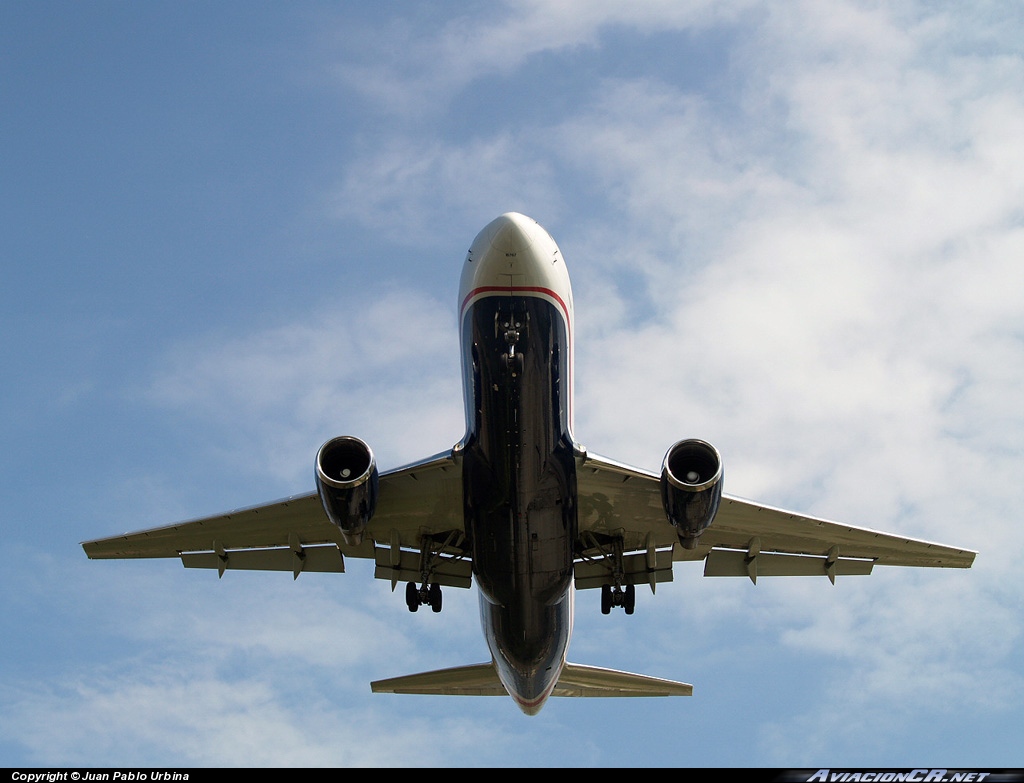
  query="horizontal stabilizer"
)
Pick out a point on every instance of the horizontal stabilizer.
point(481, 679)
point(580, 680)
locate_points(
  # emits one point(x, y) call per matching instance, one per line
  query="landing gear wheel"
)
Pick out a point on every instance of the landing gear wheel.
point(514, 362)
point(606, 599)
point(435, 597)
point(629, 604)
point(412, 597)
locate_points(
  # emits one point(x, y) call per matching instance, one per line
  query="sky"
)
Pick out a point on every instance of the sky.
point(231, 231)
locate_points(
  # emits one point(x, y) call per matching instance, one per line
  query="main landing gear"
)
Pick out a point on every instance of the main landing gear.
point(618, 596)
point(608, 551)
point(428, 595)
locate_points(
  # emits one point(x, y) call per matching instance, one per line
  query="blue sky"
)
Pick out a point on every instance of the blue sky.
point(231, 231)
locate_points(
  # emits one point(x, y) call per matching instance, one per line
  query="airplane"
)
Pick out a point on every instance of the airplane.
point(521, 507)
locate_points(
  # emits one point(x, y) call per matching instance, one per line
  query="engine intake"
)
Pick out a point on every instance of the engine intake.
point(691, 488)
point(346, 480)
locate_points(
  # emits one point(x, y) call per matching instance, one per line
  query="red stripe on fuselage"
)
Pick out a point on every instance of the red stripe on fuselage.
point(511, 290)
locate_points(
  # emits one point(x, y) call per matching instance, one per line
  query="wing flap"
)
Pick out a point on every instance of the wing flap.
point(407, 567)
point(323, 559)
point(638, 568)
point(729, 562)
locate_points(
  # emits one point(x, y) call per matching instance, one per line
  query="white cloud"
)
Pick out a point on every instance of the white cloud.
point(434, 62)
point(378, 369)
point(171, 718)
point(409, 189)
point(252, 670)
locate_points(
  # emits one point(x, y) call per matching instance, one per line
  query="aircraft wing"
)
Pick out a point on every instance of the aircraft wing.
point(419, 507)
point(620, 502)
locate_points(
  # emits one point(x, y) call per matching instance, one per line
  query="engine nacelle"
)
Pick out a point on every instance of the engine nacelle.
point(346, 480)
point(691, 488)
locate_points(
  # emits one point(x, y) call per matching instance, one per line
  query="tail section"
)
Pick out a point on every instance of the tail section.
point(481, 679)
point(580, 680)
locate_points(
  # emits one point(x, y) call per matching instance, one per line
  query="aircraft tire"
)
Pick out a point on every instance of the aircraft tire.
point(412, 597)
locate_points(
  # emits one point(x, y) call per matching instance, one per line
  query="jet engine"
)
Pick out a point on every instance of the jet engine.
point(346, 480)
point(691, 488)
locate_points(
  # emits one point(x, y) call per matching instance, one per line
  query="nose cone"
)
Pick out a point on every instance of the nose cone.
point(514, 252)
point(509, 236)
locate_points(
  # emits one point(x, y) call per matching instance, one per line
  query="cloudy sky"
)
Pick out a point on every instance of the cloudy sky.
point(230, 231)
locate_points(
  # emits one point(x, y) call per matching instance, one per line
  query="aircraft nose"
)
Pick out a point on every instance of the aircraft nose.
point(507, 237)
point(511, 236)
point(513, 250)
